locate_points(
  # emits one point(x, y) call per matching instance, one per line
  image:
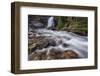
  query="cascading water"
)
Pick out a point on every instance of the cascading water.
point(50, 22)
point(77, 43)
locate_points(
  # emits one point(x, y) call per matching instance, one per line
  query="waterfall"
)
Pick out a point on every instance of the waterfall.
point(64, 40)
point(50, 22)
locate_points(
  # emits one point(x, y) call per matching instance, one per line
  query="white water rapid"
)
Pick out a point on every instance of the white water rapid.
point(74, 42)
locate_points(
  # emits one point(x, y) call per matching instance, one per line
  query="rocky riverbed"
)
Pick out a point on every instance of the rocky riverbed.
point(46, 44)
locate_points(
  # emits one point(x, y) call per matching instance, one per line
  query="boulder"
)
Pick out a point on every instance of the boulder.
point(37, 56)
point(65, 45)
point(38, 43)
point(68, 54)
point(54, 54)
point(37, 24)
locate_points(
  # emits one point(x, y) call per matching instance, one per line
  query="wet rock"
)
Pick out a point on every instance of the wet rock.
point(65, 45)
point(37, 24)
point(59, 54)
point(68, 54)
point(37, 56)
point(59, 42)
point(40, 43)
point(31, 35)
point(51, 42)
point(54, 54)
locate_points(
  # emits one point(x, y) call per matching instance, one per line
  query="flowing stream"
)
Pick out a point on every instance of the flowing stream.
point(77, 43)
point(74, 42)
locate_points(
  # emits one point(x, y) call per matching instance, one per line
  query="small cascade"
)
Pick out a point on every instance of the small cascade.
point(50, 22)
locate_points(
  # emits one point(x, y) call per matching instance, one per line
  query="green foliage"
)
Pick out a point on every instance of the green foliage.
point(73, 24)
point(59, 23)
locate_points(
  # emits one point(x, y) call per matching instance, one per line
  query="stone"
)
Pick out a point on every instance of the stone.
point(37, 56)
point(68, 54)
point(37, 24)
point(54, 54)
point(40, 43)
point(65, 45)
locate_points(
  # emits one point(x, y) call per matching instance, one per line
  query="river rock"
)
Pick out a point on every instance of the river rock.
point(68, 54)
point(65, 45)
point(54, 54)
point(40, 43)
point(37, 56)
point(31, 35)
point(37, 24)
